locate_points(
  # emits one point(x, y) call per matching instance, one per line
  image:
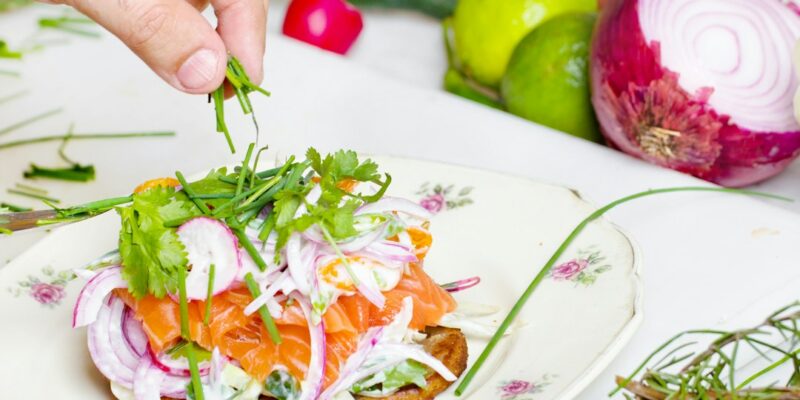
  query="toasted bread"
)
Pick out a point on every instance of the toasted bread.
point(448, 345)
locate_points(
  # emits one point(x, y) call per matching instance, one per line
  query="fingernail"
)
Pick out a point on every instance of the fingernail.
point(199, 69)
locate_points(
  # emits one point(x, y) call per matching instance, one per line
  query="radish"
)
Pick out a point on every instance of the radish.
point(209, 241)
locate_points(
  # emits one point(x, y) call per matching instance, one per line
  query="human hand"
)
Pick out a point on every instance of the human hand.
point(178, 43)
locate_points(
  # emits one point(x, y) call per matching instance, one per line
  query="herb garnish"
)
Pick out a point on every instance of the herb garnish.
point(75, 172)
point(512, 315)
point(242, 87)
point(28, 121)
point(84, 136)
point(13, 208)
point(70, 25)
point(6, 52)
point(33, 195)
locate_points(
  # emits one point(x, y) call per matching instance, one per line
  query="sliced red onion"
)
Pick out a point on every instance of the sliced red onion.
point(134, 334)
point(312, 383)
point(360, 242)
point(347, 375)
point(395, 204)
point(416, 353)
point(147, 382)
point(701, 86)
point(123, 349)
point(209, 241)
point(300, 259)
point(392, 251)
point(103, 353)
point(175, 367)
point(462, 284)
point(94, 293)
point(372, 294)
point(268, 294)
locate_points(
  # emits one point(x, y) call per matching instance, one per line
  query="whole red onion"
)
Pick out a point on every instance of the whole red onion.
point(700, 86)
point(333, 25)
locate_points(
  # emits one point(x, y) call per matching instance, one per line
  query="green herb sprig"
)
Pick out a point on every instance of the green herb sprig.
point(28, 121)
point(6, 52)
point(242, 86)
point(523, 299)
point(84, 136)
point(687, 371)
point(75, 172)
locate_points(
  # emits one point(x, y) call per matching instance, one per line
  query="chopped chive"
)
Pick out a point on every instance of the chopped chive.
point(14, 208)
point(189, 192)
point(269, 183)
point(255, 163)
point(74, 173)
point(33, 195)
point(269, 225)
point(209, 293)
point(512, 315)
point(266, 317)
point(31, 189)
point(228, 180)
point(13, 74)
point(265, 198)
point(4, 231)
point(212, 196)
point(186, 334)
point(251, 250)
point(219, 106)
point(172, 223)
point(245, 167)
point(269, 173)
point(30, 120)
point(65, 24)
point(83, 136)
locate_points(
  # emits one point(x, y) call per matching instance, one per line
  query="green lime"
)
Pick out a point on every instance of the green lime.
point(547, 80)
point(486, 31)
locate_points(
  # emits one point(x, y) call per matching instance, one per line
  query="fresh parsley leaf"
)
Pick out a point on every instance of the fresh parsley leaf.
point(151, 253)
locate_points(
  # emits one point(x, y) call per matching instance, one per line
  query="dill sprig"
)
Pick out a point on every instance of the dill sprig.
point(769, 353)
point(242, 86)
point(523, 299)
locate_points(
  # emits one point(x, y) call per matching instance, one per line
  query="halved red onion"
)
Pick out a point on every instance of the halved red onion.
point(347, 375)
point(124, 350)
point(701, 86)
point(101, 345)
point(395, 204)
point(209, 241)
point(94, 293)
point(312, 383)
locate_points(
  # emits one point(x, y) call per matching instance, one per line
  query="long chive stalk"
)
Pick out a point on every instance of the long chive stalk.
point(83, 136)
point(518, 306)
point(13, 96)
point(33, 195)
point(186, 334)
point(95, 206)
point(266, 317)
point(28, 121)
point(245, 166)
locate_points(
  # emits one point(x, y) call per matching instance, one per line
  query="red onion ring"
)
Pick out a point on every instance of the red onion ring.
point(175, 368)
point(462, 284)
point(312, 383)
point(392, 251)
point(103, 353)
point(93, 295)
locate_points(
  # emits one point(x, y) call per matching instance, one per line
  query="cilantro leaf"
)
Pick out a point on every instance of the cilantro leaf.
point(151, 253)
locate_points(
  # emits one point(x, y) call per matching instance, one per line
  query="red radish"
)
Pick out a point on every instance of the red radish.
point(208, 241)
point(701, 86)
point(333, 25)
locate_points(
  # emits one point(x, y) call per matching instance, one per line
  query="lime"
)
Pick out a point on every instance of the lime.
point(486, 31)
point(547, 80)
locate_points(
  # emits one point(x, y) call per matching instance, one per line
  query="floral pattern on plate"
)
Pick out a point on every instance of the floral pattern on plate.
point(518, 389)
point(437, 198)
point(47, 290)
point(583, 270)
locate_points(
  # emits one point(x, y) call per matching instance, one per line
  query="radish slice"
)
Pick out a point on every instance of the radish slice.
point(93, 295)
point(312, 383)
point(209, 241)
point(390, 204)
point(102, 351)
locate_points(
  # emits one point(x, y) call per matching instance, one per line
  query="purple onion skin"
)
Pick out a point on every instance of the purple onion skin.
point(633, 93)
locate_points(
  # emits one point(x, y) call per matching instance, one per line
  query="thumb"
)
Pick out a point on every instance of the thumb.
point(169, 35)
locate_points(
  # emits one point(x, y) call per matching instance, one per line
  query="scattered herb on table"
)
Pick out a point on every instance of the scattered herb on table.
point(8, 207)
point(84, 136)
point(30, 120)
point(33, 195)
point(75, 172)
point(13, 96)
point(762, 362)
point(6, 52)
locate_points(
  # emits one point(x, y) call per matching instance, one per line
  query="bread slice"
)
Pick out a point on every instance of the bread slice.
point(449, 346)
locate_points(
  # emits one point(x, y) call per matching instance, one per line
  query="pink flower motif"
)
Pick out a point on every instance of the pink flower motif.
point(46, 293)
point(433, 203)
point(516, 387)
point(569, 270)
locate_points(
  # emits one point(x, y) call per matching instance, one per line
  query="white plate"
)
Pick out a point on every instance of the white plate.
point(500, 228)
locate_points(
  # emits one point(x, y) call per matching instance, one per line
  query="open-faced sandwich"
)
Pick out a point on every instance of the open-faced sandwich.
point(299, 282)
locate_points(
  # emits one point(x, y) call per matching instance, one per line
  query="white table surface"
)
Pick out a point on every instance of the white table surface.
point(710, 260)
